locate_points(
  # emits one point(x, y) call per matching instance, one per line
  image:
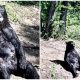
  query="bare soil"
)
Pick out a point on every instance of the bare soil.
point(50, 51)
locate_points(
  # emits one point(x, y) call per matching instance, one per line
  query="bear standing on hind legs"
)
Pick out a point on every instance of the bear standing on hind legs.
point(72, 58)
point(24, 68)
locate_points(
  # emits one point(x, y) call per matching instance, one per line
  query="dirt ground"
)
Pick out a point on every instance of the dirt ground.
point(27, 29)
point(50, 51)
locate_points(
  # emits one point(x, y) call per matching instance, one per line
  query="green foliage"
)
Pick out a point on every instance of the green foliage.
point(44, 10)
point(72, 23)
point(24, 3)
point(45, 6)
point(53, 74)
point(15, 9)
point(11, 12)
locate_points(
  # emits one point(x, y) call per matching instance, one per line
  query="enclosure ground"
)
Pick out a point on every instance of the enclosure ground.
point(50, 51)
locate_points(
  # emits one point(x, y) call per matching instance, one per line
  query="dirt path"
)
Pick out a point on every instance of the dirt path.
point(53, 50)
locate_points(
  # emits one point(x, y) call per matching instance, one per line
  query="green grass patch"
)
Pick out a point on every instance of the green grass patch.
point(10, 8)
point(53, 74)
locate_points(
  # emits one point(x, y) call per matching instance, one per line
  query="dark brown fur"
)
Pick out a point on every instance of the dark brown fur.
point(12, 53)
point(72, 58)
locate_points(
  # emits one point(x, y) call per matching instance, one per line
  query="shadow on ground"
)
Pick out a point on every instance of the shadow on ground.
point(64, 65)
point(31, 32)
point(31, 49)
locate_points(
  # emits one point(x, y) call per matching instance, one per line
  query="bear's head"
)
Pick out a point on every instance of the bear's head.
point(70, 45)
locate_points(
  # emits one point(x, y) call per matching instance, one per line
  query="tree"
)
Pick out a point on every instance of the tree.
point(50, 21)
point(60, 25)
point(63, 17)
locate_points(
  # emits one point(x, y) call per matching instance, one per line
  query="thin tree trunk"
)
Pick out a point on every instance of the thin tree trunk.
point(63, 17)
point(49, 22)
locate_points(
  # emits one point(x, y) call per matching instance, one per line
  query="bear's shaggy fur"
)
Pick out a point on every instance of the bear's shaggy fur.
point(12, 58)
point(72, 58)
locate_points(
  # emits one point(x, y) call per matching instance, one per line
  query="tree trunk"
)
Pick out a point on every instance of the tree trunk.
point(63, 17)
point(49, 21)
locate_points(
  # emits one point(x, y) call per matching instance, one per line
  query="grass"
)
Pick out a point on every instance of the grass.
point(10, 8)
point(18, 12)
point(53, 74)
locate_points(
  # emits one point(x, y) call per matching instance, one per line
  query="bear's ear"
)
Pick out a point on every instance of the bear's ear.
point(66, 42)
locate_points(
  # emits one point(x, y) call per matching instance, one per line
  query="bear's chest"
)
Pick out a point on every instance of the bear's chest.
point(6, 47)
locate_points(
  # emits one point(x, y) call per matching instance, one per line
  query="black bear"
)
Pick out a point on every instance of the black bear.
point(72, 58)
point(12, 58)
